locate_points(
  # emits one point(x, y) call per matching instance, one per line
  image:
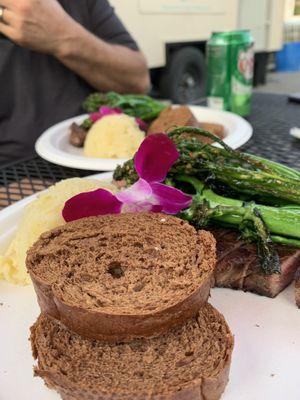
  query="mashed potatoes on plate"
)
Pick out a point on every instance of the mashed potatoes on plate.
point(42, 214)
point(113, 136)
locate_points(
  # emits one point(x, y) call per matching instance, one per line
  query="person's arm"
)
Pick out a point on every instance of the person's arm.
point(44, 26)
point(103, 65)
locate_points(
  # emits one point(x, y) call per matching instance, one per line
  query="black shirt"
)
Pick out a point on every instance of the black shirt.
point(37, 91)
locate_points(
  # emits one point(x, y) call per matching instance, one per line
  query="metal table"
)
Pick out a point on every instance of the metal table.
point(272, 117)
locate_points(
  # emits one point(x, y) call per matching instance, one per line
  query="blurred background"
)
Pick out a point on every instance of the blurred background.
point(173, 36)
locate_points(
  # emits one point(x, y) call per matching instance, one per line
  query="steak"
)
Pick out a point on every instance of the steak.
point(77, 135)
point(297, 287)
point(238, 266)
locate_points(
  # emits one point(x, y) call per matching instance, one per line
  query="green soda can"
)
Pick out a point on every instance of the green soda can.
point(230, 59)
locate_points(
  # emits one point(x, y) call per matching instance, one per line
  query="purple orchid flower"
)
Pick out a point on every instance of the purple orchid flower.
point(142, 124)
point(104, 111)
point(154, 158)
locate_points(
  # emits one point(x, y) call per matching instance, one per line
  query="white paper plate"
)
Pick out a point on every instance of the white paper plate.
point(53, 145)
point(265, 363)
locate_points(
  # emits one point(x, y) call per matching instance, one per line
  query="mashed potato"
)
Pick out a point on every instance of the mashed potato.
point(42, 214)
point(113, 136)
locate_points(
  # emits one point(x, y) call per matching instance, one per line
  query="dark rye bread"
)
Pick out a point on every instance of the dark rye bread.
point(191, 362)
point(172, 116)
point(117, 277)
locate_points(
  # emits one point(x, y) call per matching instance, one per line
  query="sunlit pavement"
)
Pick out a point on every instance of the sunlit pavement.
point(281, 82)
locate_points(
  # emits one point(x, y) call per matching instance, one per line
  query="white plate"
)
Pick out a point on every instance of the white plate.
point(53, 145)
point(265, 364)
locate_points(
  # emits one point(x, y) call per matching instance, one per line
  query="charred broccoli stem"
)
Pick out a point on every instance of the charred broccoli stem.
point(136, 105)
point(241, 172)
point(245, 217)
point(86, 124)
point(126, 173)
point(281, 221)
point(245, 174)
point(249, 178)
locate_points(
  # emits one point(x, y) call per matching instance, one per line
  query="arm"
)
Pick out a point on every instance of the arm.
point(45, 27)
point(105, 66)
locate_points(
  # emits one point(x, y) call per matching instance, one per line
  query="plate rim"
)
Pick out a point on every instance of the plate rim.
point(234, 389)
point(59, 157)
point(17, 206)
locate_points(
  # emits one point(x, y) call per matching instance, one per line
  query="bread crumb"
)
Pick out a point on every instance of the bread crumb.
point(163, 220)
point(272, 375)
point(258, 326)
point(1, 304)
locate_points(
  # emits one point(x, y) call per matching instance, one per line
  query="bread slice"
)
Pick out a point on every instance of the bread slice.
point(171, 117)
point(215, 129)
point(117, 277)
point(189, 362)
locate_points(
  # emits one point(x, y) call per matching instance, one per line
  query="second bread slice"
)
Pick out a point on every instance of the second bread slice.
point(118, 277)
point(190, 362)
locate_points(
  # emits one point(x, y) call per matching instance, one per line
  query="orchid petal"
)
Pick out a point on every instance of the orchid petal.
point(172, 200)
point(87, 204)
point(95, 116)
point(139, 197)
point(142, 124)
point(155, 156)
point(136, 193)
point(145, 206)
point(104, 110)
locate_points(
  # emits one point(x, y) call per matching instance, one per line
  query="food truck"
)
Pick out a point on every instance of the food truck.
point(173, 35)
